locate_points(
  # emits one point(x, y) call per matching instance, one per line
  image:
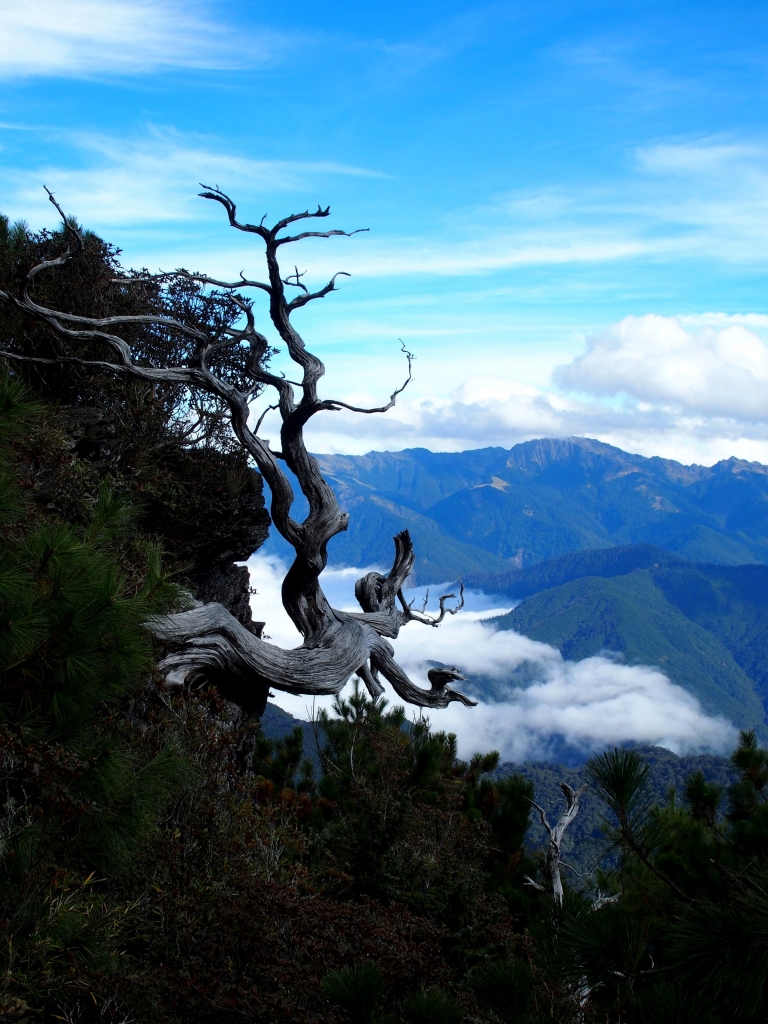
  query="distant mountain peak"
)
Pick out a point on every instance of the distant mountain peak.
point(485, 510)
point(734, 465)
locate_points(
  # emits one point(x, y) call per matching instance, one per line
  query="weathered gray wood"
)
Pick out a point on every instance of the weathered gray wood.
point(555, 836)
point(208, 642)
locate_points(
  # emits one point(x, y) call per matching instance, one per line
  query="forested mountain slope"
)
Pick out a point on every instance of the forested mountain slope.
point(705, 626)
point(585, 838)
point(605, 562)
point(494, 510)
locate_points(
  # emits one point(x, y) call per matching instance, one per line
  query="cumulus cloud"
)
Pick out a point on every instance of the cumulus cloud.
point(690, 388)
point(542, 699)
point(482, 411)
point(87, 38)
point(711, 371)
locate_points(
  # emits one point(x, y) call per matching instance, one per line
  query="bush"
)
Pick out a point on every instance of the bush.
point(432, 1006)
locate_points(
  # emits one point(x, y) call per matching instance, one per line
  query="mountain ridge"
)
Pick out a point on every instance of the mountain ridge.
point(704, 625)
point(492, 510)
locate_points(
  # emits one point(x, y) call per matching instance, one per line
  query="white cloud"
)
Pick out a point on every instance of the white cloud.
point(486, 412)
point(130, 181)
point(710, 158)
point(589, 704)
point(691, 388)
point(714, 190)
point(154, 178)
point(91, 38)
point(699, 200)
point(458, 257)
point(721, 372)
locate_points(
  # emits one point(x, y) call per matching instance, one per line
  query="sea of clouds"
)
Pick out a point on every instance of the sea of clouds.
point(540, 705)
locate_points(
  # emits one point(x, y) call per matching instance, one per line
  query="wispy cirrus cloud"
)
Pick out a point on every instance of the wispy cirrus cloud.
point(94, 38)
point(714, 191)
point(153, 177)
point(675, 203)
point(688, 201)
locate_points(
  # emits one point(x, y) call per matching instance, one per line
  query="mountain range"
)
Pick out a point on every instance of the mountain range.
point(493, 510)
point(651, 561)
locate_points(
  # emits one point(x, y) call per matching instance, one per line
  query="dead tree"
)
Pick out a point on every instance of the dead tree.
point(208, 641)
point(555, 836)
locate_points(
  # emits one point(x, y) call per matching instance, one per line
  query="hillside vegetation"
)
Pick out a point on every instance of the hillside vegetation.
point(164, 861)
point(705, 626)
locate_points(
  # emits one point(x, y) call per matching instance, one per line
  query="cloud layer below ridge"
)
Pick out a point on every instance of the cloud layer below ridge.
point(583, 705)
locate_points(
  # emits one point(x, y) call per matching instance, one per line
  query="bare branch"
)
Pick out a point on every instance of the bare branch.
point(602, 900)
point(534, 885)
point(287, 239)
point(296, 282)
point(215, 193)
point(170, 275)
point(334, 404)
point(543, 817)
point(307, 214)
point(432, 620)
point(260, 420)
point(302, 300)
point(554, 847)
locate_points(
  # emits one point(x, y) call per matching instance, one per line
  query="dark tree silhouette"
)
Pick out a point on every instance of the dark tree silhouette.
point(228, 363)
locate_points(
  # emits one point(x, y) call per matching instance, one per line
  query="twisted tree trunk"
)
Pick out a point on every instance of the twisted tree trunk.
point(208, 642)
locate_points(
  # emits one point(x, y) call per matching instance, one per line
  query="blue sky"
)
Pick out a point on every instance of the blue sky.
point(567, 202)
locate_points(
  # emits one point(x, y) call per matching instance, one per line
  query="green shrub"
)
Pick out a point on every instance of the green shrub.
point(356, 990)
point(432, 1006)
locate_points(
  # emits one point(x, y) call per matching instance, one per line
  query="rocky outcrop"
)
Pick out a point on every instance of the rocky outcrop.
point(230, 585)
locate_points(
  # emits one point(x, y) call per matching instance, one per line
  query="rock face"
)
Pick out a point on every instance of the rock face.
point(229, 584)
point(204, 505)
point(207, 508)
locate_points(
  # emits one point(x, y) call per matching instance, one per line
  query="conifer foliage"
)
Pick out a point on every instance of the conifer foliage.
point(77, 797)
